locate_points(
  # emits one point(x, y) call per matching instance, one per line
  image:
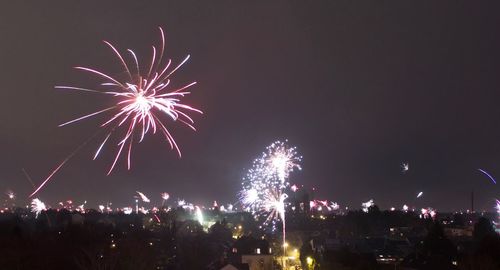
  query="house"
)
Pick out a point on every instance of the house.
point(258, 261)
point(456, 231)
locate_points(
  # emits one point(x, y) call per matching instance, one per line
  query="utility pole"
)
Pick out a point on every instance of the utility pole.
point(472, 201)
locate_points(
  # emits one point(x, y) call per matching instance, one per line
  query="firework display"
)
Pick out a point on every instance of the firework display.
point(174, 135)
point(264, 186)
point(265, 182)
point(143, 102)
point(37, 206)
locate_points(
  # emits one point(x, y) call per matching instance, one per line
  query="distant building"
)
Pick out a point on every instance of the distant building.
point(453, 232)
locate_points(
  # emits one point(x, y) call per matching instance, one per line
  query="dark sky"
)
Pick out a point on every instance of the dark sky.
point(357, 86)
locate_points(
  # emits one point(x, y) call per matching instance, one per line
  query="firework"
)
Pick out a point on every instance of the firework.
point(273, 205)
point(185, 205)
point(405, 166)
point(321, 205)
point(427, 213)
point(141, 99)
point(264, 185)
point(420, 194)
point(11, 195)
point(250, 199)
point(164, 197)
point(488, 175)
point(282, 160)
point(37, 206)
point(66, 204)
point(81, 207)
point(143, 197)
point(405, 208)
point(270, 171)
point(157, 218)
point(366, 205)
point(497, 207)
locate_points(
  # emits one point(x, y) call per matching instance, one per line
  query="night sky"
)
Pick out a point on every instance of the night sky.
point(357, 86)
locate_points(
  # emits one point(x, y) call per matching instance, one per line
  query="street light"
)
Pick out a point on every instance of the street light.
point(310, 262)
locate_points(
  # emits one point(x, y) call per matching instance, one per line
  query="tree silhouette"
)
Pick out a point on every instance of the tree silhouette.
point(437, 251)
point(482, 228)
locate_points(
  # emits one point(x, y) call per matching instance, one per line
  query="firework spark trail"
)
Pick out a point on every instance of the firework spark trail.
point(199, 215)
point(420, 194)
point(488, 175)
point(28, 177)
point(141, 99)
point(143, 197)
point(60, 164)
point(127, 210)
point(157, 218)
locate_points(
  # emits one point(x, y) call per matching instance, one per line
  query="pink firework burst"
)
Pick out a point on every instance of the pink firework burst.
point(143, 101)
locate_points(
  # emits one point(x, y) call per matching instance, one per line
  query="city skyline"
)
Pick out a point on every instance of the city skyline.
point(358, 91)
